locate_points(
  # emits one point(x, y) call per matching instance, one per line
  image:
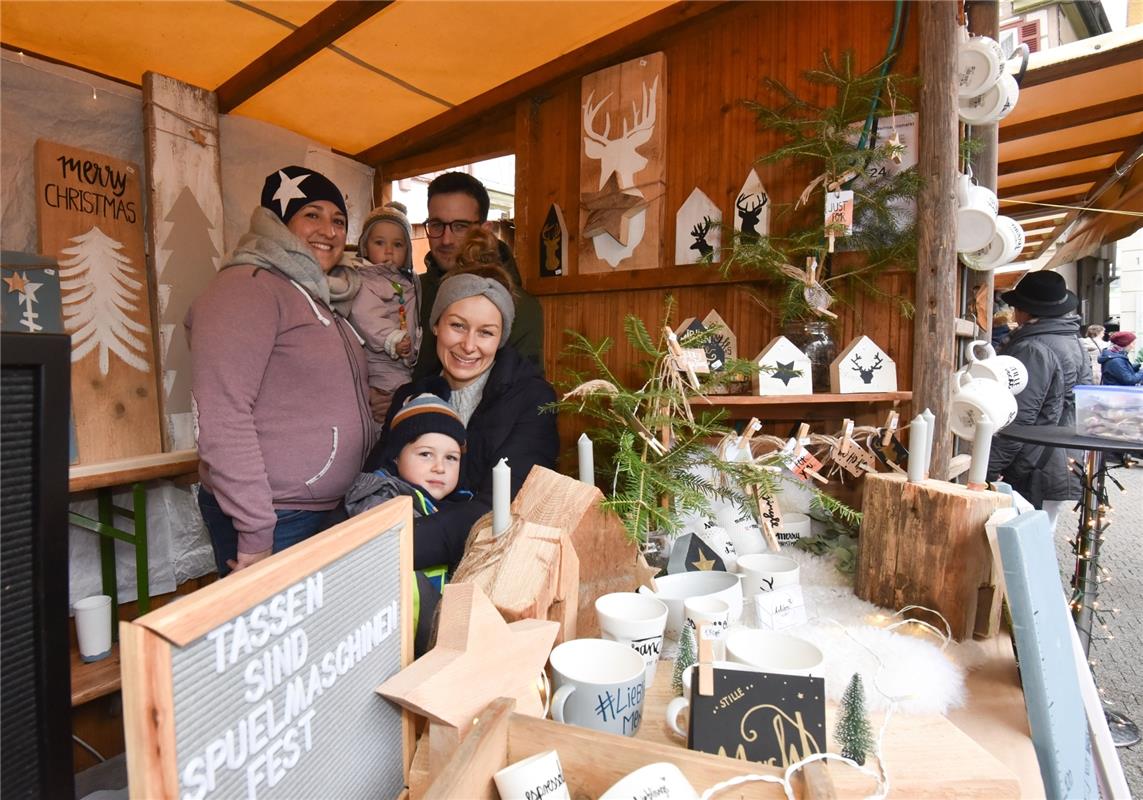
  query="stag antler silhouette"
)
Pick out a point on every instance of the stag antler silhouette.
point(867, 372)
point(699, 231)
point(619, 155)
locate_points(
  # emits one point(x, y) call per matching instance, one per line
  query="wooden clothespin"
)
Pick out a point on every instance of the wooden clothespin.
point(890, 428)
point(846, 436)
point(705, 662)
point(751, 427)
point(803, 432)
point(680, 357)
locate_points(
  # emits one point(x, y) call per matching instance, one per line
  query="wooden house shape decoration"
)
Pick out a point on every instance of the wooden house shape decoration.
point(698, 229)
point(752, 208)
point(783, 369)
point(713, 348)
point(862, 367)
point(726, 337)
point(553, 244)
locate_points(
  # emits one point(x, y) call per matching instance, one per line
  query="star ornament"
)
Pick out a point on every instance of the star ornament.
point(609, 210)
point(785, 372)
point(16, 283)
point(703, 563)
point(289, 189)
point(478, 658)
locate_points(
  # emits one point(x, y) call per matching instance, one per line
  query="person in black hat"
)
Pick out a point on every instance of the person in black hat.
point(1047, 343)
point(278, 377)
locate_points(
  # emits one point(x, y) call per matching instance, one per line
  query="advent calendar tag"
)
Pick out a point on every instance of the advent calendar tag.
point(855, 460)
point(839, 213)
point(780, 609)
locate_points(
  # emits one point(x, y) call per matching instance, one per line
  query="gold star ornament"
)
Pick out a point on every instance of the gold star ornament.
point(16, 283)
point(704, 564)
point(478, 658)
point(610, 210)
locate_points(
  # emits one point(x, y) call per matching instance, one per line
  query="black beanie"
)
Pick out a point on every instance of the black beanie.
point(427, 412)
point(288, 189)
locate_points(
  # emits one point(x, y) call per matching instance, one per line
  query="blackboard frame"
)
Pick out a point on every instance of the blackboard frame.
point(148, 643)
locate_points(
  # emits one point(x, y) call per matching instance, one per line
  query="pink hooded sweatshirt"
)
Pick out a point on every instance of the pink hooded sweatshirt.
point(279, 385)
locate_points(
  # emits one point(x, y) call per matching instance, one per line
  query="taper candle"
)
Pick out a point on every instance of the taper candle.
point(586, 460)
point(931, 421)
point(501, 497)
point(918, 441)
point(981, 447)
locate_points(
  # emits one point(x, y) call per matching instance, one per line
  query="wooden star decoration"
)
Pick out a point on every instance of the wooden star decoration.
point(609, 210)
point(16, 283)
point(645, 573)
point(478, 658)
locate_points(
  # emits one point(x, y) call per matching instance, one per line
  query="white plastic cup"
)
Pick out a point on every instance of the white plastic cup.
point(93, 627)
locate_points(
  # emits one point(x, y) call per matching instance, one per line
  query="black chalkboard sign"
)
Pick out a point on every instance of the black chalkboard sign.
point(759, 716)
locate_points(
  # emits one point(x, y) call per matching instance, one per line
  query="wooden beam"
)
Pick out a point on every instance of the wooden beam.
point(1058, 182)
point(489, 138)
point(1072, 118)
point(934, 325)
point(1101, 148)
point(1084, 65)
point(607, 50)
point(329, 25)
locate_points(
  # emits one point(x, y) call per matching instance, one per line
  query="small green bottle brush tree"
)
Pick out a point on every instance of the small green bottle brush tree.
point(838, 141)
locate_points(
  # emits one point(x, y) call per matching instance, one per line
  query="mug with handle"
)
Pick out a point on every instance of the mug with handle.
point(599, 684)
point(979, 64)
point(977, 208)
point(993, 105)
point(1005, 370)
point(661, 781)
point(973, 398)
point(1006, 245)
point(637, 620)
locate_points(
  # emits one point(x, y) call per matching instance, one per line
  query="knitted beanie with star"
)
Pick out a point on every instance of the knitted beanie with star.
point(286, 190)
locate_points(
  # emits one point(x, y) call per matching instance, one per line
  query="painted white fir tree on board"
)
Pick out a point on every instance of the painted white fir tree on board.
point(99, 296)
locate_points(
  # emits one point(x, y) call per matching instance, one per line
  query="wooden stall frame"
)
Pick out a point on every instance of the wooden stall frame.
point(147, 643)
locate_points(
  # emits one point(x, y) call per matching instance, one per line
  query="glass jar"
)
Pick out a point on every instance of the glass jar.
point(814, 337)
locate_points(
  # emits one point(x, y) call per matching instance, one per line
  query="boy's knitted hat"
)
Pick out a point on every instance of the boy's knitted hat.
point(288, 189)
point(428, 412)
point(390, 212)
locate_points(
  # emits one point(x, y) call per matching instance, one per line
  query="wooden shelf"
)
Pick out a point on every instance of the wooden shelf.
point(798, 406)
point(96, 679)
point(131, 470)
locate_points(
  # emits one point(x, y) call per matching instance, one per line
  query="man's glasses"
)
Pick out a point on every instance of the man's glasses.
point(436, 228)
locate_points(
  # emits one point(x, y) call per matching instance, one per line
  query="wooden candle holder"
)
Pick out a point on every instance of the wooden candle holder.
point(924, 544)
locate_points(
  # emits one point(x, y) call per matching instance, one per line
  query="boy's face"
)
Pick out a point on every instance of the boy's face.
point(431, 461)
point(386, 244)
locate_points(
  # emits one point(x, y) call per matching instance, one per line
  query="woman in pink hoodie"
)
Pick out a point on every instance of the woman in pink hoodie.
point(278, 377)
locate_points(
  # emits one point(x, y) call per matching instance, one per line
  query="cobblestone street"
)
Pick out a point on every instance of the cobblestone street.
point(1118, 670)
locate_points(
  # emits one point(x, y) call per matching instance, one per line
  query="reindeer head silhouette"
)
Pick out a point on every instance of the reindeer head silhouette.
point(867, 372)
point(551, 237)
point(620, 155)
point(750, 212)
point(700, 231)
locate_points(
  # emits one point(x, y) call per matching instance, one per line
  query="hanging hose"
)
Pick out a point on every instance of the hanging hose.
point(900, 16)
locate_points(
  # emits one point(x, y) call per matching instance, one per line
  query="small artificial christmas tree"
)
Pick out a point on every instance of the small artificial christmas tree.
point(853, 732)
point(684, 658)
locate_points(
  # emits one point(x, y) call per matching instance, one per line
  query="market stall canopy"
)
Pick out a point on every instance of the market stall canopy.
point(352, 75)
point(1074, 141)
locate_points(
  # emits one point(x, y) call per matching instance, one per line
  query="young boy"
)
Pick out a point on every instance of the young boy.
point(422, 451)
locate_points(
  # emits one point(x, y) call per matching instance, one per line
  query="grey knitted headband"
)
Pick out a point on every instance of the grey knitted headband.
point(463, 286)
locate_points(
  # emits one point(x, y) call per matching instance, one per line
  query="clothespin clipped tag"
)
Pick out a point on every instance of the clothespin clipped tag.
point(838, 214)
point(893, 454)
point(801, 461)
point(706, 661)
point(846, 436)
point(743, 443)
point(768, 511)
point(855, 460)
point(890, 427)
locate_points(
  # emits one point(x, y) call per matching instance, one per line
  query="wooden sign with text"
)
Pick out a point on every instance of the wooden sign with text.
point(90, 219)
point(262, 684)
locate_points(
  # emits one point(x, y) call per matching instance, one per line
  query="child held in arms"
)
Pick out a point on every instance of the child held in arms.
point(385, 309)
point(421, 459)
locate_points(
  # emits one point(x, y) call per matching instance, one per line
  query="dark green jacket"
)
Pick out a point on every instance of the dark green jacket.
point(527, 334)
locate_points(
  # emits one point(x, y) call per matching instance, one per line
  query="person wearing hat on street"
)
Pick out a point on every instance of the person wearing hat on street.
point(1047, 343)
point(497, 393)
point(278, 377)
point(1116, 361)
point(385, 304)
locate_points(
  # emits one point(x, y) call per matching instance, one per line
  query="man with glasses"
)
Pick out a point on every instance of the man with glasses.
point(457, 201)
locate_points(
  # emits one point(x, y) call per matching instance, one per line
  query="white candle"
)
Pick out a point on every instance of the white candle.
point(586, 460)
point(931, 421)
point(501, 497)
point(981, 447)
point(918, 439)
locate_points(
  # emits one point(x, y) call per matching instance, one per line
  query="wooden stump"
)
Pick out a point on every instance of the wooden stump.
point(606, 556)
point(925, 544)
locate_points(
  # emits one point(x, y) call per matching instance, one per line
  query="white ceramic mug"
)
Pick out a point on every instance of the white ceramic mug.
point(93, 627)
point(975, 216)
point(770, 651)
point(678, 704)
point(599, 684)
point(1006, 245)
point(636, 620)
point(538, 777)
point(993, 105)
point(740, 526)
point(659, 781)
point(794, 526)
point(712, 612)
point(973, 397)
point(674, 589)
point(979, 64)
point(1005, 370)
point(764, 572)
